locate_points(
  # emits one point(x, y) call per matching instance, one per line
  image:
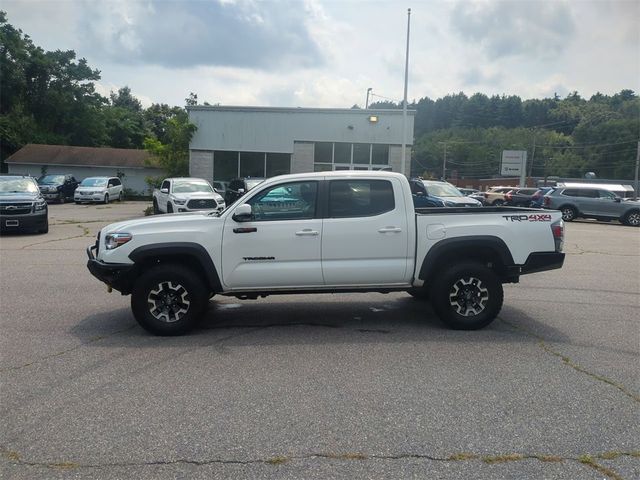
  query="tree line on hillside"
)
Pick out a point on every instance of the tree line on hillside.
point(563, 137)
point(50, 97)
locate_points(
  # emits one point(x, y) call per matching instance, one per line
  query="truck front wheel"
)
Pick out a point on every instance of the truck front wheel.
point(467, 296)
point(168, 299)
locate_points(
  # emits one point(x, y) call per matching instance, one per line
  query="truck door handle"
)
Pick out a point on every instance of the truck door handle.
point(307, 232)
point(390, 230)
point(245, 230)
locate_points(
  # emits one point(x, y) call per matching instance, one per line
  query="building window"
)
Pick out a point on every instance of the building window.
point(225, 165)
point(348, 156)
point(228, 165)
point(278, 164)
point(341, 153)
point(323, 152)
point(380, 154)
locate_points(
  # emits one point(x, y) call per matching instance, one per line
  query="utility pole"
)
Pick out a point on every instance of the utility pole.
point(635, 191)
point(404, 103)
point(366, 105)
point(533, 153)
point(444, 162)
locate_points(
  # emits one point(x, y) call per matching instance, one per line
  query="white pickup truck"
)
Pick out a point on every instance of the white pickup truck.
point(326, 232)
point(184, 194)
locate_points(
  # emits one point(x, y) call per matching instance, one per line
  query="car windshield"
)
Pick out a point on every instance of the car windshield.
point(191, 187)
point(18, 185)
point(443, 190)
point(94, 182)
point(51, 179)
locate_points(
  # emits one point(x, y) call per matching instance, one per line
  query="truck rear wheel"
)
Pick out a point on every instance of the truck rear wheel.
point(168, 299)
point(419, 293)
point(467, 296)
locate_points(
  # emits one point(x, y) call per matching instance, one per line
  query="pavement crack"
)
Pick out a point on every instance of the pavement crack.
point(85, 233)
point(570, 363)
point(586, 459)
point(97, 338)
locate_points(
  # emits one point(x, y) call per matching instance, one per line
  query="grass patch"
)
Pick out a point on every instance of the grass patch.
point(279, 460)
point(457, 457)
point(607, 472)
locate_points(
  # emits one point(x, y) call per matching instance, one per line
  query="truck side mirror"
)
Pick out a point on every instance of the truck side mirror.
point(243, 213)
point(164, 190)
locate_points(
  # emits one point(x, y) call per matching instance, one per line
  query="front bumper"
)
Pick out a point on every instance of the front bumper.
point(95, 197)
point(27, 221)
point(119, 276)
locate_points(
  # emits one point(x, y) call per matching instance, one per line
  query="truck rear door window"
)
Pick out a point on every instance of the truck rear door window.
point(360, 198)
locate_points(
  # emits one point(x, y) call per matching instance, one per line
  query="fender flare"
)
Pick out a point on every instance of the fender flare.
point(181, 249)
point(467, 244)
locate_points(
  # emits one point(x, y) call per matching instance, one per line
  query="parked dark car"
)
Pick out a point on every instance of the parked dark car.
point(22, 206)
point(519, 197)
point(537, 199)
point(58, 187)
point(238, 187)
point(423, 201)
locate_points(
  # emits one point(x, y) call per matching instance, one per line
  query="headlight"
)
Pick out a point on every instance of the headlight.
point(177, 201)
point(114, 240)
point(40, 205)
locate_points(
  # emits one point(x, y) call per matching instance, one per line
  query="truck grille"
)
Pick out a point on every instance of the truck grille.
point(202, 204)
point(15, 208)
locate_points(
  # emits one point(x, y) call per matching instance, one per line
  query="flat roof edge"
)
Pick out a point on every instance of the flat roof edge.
point(231, 108)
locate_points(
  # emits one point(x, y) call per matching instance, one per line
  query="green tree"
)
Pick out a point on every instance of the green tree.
point(172, 155)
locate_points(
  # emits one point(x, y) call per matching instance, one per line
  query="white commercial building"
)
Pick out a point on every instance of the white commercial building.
point(234, 142)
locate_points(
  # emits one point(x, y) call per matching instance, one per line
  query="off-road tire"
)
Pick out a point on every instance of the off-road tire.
point(169, 208)
point(156, 210)
point(106, 198)
point(169, 299)
point(466, 296)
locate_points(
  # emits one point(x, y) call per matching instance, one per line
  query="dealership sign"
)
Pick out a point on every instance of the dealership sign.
point(514, 163)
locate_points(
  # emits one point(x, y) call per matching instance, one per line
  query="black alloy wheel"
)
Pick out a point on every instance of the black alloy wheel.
point(169, 299)
point(467, 296)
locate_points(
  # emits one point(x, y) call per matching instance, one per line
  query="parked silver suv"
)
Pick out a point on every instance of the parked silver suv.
point(592, 202)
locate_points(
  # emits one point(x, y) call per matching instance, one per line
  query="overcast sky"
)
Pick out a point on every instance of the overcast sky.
point(317, 53)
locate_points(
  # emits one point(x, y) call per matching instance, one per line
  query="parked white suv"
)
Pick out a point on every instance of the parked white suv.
point(99, 189)
point(184, 194)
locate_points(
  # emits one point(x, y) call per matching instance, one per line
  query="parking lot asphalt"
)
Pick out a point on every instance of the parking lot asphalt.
point(318, 386)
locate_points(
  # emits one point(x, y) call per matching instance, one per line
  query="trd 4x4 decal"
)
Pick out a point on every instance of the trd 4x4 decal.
point(534, 217)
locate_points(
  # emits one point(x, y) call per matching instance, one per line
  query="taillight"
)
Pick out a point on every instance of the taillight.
point(557, 229)
point(507, 197)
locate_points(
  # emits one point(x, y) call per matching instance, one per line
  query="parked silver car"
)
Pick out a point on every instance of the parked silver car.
point(592, 202)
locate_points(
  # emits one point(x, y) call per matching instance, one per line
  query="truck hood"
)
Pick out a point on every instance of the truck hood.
point(177, 221)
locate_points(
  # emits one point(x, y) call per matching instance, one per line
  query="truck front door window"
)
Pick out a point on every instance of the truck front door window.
point(291, 201)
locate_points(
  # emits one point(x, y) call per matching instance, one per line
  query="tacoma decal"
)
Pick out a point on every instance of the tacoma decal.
point(535, 217)
point(258, 258)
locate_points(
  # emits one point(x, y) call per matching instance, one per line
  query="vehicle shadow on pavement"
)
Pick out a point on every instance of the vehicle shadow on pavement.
point(316, 320)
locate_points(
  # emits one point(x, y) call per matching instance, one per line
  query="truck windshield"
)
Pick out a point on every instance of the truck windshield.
point(17, 185)
point(191, 187)
point(51, 179)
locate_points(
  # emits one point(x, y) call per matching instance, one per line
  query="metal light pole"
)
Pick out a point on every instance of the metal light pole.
point(404, 102)
point(444, 162)
point(635, 192)
point(366, 105)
